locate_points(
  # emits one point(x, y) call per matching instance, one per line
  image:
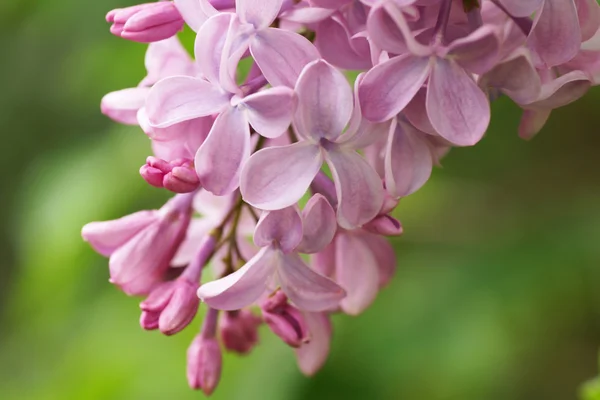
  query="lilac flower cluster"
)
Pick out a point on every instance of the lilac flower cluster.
point(285, 178)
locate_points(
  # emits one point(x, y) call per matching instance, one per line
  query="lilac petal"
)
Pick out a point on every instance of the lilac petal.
point(361, 132)
point(331, 4)
point(390, 86)
point(324, 261)
point(209, 45)
point(359, 188)
point(532, 122)
point(139, 265)
point(220, 159)
point(459, 111)
point(308, 290)
point(384, 254)
point(562, 91)
point(166, 58)
point(408, 161)
point(320, 225)
point(281, 55)
point(416, 112)
point(281, 226)
point(588, 12)
point(195, 12)
point(384, 31)
point(396, 13)
point(181, 98)
point(556, 36)
point(324, 101)
point(384, 225)
point(306, 15)
point(198, 229)
point(522, 8)
point(516, 77)
point(356, 272)
point(107, 236)
point(244, 286)
point(123, 105)
point(260, 13)
point(270, 111)
point(312, 355)
point(236, 46)
point(277, 177)
point(478, 52)
point(333, 42)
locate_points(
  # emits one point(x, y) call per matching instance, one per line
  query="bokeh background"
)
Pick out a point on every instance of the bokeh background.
point(496, 295)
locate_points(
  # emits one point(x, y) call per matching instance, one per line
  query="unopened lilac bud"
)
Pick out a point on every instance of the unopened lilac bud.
point(204, 358)
point(182, 308)
point(239, 330)
point(182, 179)
point(170, 307)
point(149, 320)
point(178, 176)
point(384, 225)
point(146, 23)
point(285, 321)
point(151, 174)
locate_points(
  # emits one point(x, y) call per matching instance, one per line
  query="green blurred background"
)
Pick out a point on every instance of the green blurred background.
point(495, 297)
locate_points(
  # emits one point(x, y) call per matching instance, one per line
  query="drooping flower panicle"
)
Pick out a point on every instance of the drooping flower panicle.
point(242, 149)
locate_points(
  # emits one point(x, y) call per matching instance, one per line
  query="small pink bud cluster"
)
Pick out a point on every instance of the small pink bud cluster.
point(242, 153)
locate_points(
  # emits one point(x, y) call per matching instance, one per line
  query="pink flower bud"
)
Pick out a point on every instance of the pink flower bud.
point(141, 246)
point(204, 358)
point(182, 179)
point(146, 23)
point(384, 225)
point(239, 330)
point(285, 321)
point(177, 176)
point(170, 307)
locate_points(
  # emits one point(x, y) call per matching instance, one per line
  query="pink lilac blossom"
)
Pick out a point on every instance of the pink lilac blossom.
point(285, 177)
